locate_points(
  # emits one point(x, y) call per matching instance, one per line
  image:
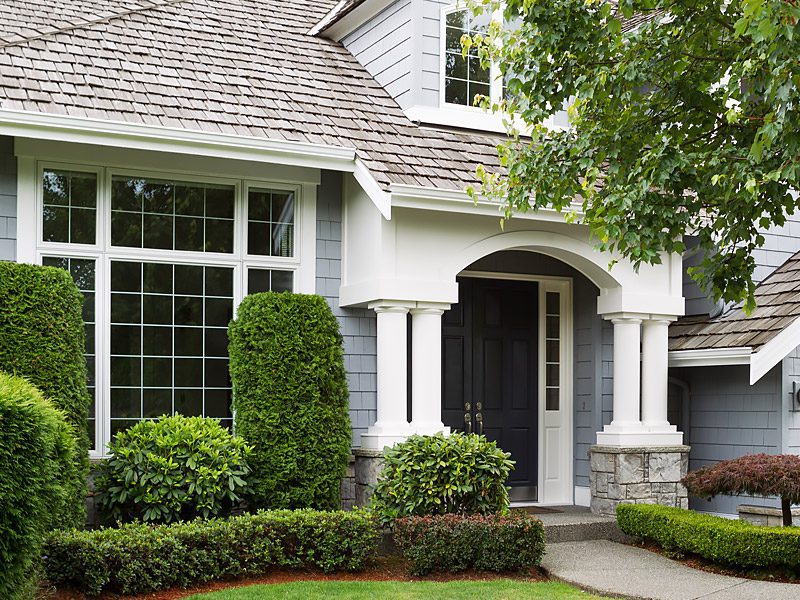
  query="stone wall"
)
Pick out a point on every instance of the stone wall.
point(368, 466)
point(637, 476)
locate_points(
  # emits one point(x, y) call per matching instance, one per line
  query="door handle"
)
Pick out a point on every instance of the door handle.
point(468, 422)
point(479, 420)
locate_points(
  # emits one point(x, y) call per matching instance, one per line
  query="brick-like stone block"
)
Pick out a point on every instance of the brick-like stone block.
point(602, 463)
point(601, 482)
point(630, 468)
point(665, 466)
point(638, 490)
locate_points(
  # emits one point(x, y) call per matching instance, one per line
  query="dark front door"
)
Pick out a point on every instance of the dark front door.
point(490, 371)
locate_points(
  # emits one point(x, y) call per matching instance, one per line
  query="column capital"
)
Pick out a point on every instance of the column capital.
point(627, 319)
point(661, 319)
point(390, 306)
point(427, 310)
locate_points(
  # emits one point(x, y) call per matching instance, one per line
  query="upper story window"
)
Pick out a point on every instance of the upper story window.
point(464, 78)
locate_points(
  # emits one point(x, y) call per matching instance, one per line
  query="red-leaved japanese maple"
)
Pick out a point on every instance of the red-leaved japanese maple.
point(755, 475)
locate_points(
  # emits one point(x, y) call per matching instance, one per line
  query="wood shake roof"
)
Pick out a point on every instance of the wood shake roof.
point(778, 306)
point(244, 67)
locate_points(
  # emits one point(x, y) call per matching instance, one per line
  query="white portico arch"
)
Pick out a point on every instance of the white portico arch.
point(408, 266)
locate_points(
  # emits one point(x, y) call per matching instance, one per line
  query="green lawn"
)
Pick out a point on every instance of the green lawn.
point(423, 590)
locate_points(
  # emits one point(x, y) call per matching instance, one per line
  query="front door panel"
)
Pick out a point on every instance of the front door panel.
point(490, 368)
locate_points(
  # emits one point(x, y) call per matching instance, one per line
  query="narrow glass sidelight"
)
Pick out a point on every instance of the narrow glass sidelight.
point(552, 351)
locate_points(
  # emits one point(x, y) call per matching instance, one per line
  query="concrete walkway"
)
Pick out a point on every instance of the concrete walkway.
point(614, 569)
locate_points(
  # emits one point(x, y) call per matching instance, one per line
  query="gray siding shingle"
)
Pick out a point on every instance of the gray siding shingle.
point(8, 199)
point(358, 325)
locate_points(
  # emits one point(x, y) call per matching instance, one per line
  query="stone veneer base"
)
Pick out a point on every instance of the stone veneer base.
point(637, 475)
point(368, 466)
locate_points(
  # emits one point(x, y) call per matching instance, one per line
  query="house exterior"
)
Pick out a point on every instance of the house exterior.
point(177, 155)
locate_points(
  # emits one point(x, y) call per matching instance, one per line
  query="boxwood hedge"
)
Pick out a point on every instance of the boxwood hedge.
point(724, 541)
point(138, 558)
point(43, 341)
point(37, 452)
point(290, 399)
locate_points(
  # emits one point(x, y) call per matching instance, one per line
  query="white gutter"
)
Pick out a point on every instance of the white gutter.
point(120, 134)
point(710, 357)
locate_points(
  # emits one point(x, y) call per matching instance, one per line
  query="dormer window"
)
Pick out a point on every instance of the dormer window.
point(464, 78)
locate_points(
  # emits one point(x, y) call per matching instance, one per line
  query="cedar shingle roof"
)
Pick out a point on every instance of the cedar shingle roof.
point(778, 306)
point(245, 67)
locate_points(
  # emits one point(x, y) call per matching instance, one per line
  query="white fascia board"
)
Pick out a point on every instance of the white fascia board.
point(167, 139)
point(470, 117)
point(774, 351)
point(327, 18)
point(426, 198)
point(381, 199)
point(710, 357)
point(351, 21)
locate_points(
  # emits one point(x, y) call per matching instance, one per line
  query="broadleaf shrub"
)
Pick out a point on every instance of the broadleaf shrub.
point(173, 468)
point(139, 558)
point(37, 455)
point(724, 541)
point(752, 474)
point(450, 543)
point(437, 474)
point(43, 340)
point(290, 399)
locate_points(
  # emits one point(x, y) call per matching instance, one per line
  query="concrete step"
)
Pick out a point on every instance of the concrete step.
point(575, 524)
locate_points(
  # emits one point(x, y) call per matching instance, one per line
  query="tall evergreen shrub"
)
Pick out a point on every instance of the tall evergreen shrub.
point(37, 454)
point(290, 399)
point(42, 339)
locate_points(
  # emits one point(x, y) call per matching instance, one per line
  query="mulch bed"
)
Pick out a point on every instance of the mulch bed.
point(702, 564)
point(389, 568)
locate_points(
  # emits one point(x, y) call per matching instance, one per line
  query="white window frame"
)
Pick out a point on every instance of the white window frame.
point(495, 77)
point(34, 249)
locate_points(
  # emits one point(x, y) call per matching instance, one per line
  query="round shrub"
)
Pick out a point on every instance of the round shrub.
point(290, 399)
point(437, 474)
point(172, 469)
point(37, 455)
point(43, 341)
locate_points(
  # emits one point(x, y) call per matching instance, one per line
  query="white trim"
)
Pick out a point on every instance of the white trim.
point(349, 22)
point(559, 491)
point(774, 351)
point(381, 199)
point(583, 496)
point(453, 115)
point(169, 139)
point(709, 357)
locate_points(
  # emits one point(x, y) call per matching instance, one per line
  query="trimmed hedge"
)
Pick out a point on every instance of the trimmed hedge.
point(437, 474)
point(724, 541)
point(43, 341)
point(138, 558)
point(290, 399)
point(172, 469)
point(37, 454)
point(450, 543)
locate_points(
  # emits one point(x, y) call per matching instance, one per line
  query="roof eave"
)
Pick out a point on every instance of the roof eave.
point(336, 26)
point(710, 357)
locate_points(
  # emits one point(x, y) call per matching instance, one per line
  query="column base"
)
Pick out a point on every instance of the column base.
point(637, 475)
point(628, 435)
point(379, 436)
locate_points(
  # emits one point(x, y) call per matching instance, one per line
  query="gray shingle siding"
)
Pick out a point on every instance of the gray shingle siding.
point(358, 325)
point(729, 418)
point(383, 45)
point(431, 51)
point(791, 420)
point(8, 199)
point(592, 345)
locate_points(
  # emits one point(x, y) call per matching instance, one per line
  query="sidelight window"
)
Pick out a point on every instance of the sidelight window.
point(552, 350)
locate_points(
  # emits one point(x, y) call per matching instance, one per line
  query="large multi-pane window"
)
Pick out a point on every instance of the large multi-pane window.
point(464, 77)
point(162, 262)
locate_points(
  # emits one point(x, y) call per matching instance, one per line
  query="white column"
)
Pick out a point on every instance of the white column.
point(655, 382)
point(426, 370)
point(626, 421)
point(391, 425)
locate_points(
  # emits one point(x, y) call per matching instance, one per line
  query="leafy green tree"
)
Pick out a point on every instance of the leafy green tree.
point(684, 119)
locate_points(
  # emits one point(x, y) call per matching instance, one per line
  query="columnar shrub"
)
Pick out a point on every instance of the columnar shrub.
point(449, 543)
point(753, 474)
point(171, 469)
point(724, 541)
point(138, 558)
point(290, 399)
point(437, 474)
point(43, 340)
point(37, 454)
